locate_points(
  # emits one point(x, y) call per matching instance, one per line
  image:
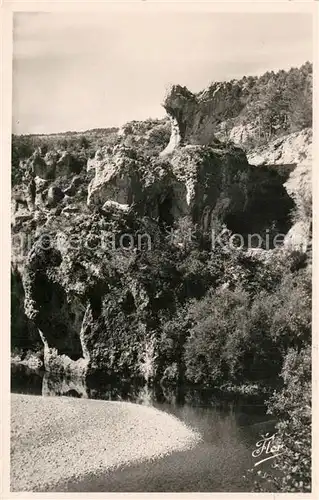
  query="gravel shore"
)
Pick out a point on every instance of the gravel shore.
point(56, 438)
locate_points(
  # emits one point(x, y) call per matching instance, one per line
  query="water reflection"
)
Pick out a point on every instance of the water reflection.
point(26, 381)
point(184, 402)
point(229, 432)
point(62, 386)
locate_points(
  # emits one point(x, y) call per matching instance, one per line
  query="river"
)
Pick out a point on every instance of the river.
point(229, 430)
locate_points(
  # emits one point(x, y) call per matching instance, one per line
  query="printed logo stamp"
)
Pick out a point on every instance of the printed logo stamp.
point(267, 448)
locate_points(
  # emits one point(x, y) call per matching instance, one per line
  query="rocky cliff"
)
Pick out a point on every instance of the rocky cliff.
point(101, 250)
point(293, 154)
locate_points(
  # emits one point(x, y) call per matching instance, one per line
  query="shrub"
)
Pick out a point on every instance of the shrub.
point(214, 348)
point(291, 470)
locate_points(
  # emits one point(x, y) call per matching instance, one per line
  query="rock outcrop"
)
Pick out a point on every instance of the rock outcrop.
point(290, 150)
point(209, 185)
point(99, 272)
point(292, 156)
point(194, 117)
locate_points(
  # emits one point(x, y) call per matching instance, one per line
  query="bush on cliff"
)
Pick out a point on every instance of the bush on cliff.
point(238, 337)
point(214, 348)
point(291, 406)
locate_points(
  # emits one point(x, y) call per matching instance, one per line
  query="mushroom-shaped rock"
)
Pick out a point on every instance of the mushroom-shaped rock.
point(180, 105)
point(194, 116)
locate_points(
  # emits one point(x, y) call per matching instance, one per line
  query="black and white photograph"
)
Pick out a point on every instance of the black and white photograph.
point(161, 249)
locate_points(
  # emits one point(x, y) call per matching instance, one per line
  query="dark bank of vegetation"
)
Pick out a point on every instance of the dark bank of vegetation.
point(291, 406)
point(229, 322)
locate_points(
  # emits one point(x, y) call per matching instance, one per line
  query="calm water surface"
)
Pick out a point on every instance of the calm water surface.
point(229, 431)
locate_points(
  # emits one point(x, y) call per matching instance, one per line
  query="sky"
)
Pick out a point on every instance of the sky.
point(91, 70)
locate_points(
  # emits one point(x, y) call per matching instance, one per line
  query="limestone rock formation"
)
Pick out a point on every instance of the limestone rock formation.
point(71, 190)
point(93, 295)
point(293, 154)
point(194, 117)
point(149, 136)
point(291, 149)
point(299, 188)
point(208, 184)
point(55, 195)
point(243, 135)
point(116, 177)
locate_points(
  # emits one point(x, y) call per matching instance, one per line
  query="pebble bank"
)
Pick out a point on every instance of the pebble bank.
point(55, 438)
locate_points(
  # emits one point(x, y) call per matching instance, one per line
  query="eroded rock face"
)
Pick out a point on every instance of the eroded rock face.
point(215, 183)
point(240, 135)
point(299, 188)
point(292, 157)
point(151, 135)
point(125, 180)
point(194, 116)
point(210, 185)
point(180, 105)
point(24, 332)
point(117, 177)
point(55, 195)
point(90, 299)
point(292, 149)
point(93, 300)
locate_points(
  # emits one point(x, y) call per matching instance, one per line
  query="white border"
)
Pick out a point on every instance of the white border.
point(7, 8)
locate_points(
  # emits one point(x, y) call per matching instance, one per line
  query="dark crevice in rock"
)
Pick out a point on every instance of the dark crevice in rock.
point(128, 304)
point(24, 334)
point(165, 207)
point(96, 305)
point(56, 318)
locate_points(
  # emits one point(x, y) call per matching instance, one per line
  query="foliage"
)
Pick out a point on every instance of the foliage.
point(291, 470)
point(158, 138)
point(241, 336)
point(147, 359)
point(275, 104)
point(173, 334)
point(214, 348)
point(281, 101)
point(80, 145)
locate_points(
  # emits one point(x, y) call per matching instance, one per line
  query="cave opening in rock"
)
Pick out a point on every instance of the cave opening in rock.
point(268, 212)
point(165, 215)
point(96, 305)
point(128, 304)
point(72, 393)
point(24, 334)
point(56, 318)
point(95, 295)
